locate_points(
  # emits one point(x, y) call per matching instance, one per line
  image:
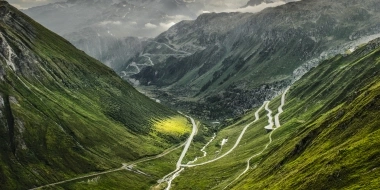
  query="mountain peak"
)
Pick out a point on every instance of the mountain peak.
point(3, 8)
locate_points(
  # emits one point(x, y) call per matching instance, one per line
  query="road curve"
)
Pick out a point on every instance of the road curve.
point(249, 160)
point(270, 137)
point(172, 175)
point(236, 143)
point(176, 50)
point(149, 59)
point(189, 140)
point(270, 118)
point(277, 116)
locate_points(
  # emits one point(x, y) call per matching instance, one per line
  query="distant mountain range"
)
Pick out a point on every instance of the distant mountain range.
point(223, 64)
point(286, 98)
point(328, 138)
point(113, 33)
point(217, 52)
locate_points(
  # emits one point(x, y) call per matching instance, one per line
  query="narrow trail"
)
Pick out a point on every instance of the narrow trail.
point(236, 143)
point(203, 150)
point(206, 145)
point(277, 116)
point(270, 136)
point(172, 175)
point(126, 166)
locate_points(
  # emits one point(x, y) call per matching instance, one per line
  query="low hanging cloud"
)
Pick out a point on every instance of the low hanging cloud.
point(258, 8)
point(254, 9)
point(167, 25)
point(108, 22)
point(150, 26)
point(25, 4)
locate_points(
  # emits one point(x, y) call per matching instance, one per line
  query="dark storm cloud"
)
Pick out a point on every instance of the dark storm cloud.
point(24, 4)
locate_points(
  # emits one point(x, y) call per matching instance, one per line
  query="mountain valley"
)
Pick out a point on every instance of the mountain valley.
point(287, 97)
point(227, 69)
point(62, 113)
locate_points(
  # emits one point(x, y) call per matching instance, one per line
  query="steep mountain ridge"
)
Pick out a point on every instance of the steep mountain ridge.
point(63, 114)
point(332, 126)
point(236, 61)
point(328, 137)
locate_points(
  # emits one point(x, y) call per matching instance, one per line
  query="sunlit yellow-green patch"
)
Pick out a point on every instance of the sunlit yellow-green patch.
point(177, 125)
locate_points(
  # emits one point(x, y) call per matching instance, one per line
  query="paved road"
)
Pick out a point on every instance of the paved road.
point(277, 116)
point(126, 166)
point(176, 50)
point(236, 143)
point(270, 118)
point(270, 138)
point(172, 175)
point(189, 141)
point(149, 59)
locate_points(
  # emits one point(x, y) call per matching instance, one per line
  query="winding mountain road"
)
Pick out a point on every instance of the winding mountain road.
point(236, 143)
point(270, 137)
point(277, 116)
point(172, 175)
point(176, 50)
point(270, 118)
point(249, 160)
point(179, 166)
point(189, 141)
point(149, 59)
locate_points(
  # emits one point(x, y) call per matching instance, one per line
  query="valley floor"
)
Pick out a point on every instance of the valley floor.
point(143, 167)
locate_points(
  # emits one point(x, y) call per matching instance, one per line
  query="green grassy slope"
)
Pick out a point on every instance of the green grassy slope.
point(243, 59)
point(328, 139)
point(331, 131)
point(62, 113)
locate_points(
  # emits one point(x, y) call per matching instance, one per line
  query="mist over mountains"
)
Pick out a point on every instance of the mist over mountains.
point(234, 61)
point(279, 95)
point(96, 25)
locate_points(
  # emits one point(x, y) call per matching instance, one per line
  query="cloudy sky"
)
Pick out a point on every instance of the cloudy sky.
point(24, 4)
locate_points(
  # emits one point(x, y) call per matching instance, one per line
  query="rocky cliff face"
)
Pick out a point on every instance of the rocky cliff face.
point(247, 58)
